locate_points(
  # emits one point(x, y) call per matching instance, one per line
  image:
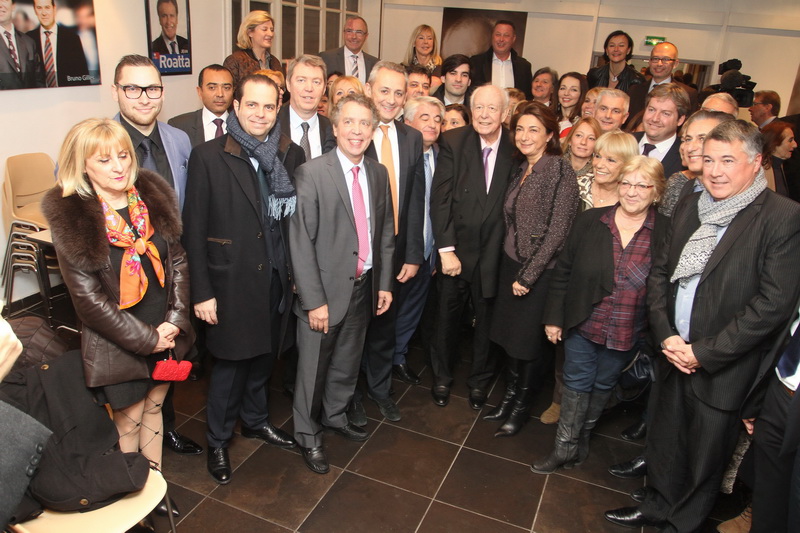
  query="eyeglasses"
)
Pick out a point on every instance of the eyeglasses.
point(133, 92)
point(360, 33)
point(639, 187)
point(665, 60)
point(757, 103)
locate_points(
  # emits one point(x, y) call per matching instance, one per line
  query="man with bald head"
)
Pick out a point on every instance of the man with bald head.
point(469, 185)
point(663, 59)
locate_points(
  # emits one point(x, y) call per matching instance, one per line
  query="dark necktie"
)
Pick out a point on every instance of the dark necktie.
point(647, 148)
point(789, 361)
point(148, 161)
point(304, 144)
point(174, 46)
point(49, 60)
point(12, 51)
point(218, 123)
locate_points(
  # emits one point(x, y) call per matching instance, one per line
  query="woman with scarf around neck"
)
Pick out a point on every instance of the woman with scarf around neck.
point(116, 230)
point(256, 33)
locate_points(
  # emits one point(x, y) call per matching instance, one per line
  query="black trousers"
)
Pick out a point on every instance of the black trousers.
point(689, 444)
point(775, 474)
point(454, 292)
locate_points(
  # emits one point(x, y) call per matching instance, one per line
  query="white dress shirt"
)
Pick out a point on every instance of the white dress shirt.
point(660, 150)
point(296, 131)
point(209, 128)
point(502, 72)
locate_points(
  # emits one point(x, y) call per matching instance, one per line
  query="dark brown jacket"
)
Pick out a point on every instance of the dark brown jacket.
point(114, 343)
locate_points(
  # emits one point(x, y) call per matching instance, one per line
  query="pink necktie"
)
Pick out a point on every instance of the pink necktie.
point(362, 230)
point(486, 174)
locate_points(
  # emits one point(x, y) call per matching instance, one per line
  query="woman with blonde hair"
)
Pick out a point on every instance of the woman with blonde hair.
point(341, 87)
point(423, 50)
point(116, 230)
point(256, 33)
point(611, 152)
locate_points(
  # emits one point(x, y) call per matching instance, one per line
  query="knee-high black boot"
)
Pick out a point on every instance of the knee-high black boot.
point(503, 409)
point(565, 452)
point(597, 402)
point(521, 411)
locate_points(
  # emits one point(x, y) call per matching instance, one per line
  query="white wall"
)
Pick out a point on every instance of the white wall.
point(764, 35)
point(42, 117)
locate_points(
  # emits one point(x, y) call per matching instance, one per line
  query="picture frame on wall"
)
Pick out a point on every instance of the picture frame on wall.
point(54, 45)
point(169, 41)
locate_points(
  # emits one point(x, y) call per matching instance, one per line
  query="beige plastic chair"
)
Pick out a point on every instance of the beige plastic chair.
point(28, 178)
point(118, 517)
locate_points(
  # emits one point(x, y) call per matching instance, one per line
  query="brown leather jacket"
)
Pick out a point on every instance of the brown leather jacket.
point(113, 342)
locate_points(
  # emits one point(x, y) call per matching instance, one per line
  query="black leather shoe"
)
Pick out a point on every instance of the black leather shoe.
point(197, 372)
point(219, 466)
point(477, 397)
point(633, 469)
point(356, 414)
point(636, 431)
point(161, 508)
point(387, 407)
point(181, 444)
point(441, 395)
point(640, 494)
point(271, 435)
point(631, 517)
point(315, 459)
point(351, 432)
point(404, 373)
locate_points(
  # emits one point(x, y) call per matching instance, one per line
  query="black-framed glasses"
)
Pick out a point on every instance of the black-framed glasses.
point(639, 187)
point(134, 92)
point(665, 60)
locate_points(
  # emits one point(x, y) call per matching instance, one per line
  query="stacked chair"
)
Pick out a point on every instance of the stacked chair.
point(28, 177)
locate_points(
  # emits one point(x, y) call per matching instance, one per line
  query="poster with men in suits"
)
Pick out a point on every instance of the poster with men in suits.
point(168, 36)
point(47, 44)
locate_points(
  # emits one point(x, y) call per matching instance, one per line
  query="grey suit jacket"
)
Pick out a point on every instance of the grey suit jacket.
point(746, 291)
point(191, 124)
point(323, 244)
point(334, 61)
point(31, 72)
point(178, 148)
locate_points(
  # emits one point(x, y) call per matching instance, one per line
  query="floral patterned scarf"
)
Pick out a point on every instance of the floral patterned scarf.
point(136, 241)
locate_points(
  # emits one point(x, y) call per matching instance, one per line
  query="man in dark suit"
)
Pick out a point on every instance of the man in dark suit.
point(666, 110)
point(663, 58)
point(308, 129)
point(456, 86)
point(399, 149)
point(501, 65)
point(765, 109)
point(239, 264)
point(20, 66)
point(341, 243)
point(59, 47)
point(215, 89)
point(351, 59)
point(469, 185)
point(169, 42)
point(425, 114)
point(163, 149)
point(720, 287)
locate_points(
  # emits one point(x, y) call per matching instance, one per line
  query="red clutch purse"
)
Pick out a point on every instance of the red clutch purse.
point(171, 369)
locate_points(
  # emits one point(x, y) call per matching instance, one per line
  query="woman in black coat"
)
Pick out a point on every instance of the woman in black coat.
point(596, 302)
point(616, 73)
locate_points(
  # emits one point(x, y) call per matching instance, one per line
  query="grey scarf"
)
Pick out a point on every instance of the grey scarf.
point(712, 215)
point(282, 197)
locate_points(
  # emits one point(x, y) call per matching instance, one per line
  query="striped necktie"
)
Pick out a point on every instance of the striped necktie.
point(12, 51)
point(49, 60)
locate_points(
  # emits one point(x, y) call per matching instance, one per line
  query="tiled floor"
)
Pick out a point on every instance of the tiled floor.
point(437, 470)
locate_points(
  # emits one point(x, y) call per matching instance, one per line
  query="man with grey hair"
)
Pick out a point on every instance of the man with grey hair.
point(611, 109)
point(398, 148)
point(722, 102)
point(425, 114)
point(341, 242)
point(351, 58)
point(305, 79)
point(720, 288)
point(469, 185)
